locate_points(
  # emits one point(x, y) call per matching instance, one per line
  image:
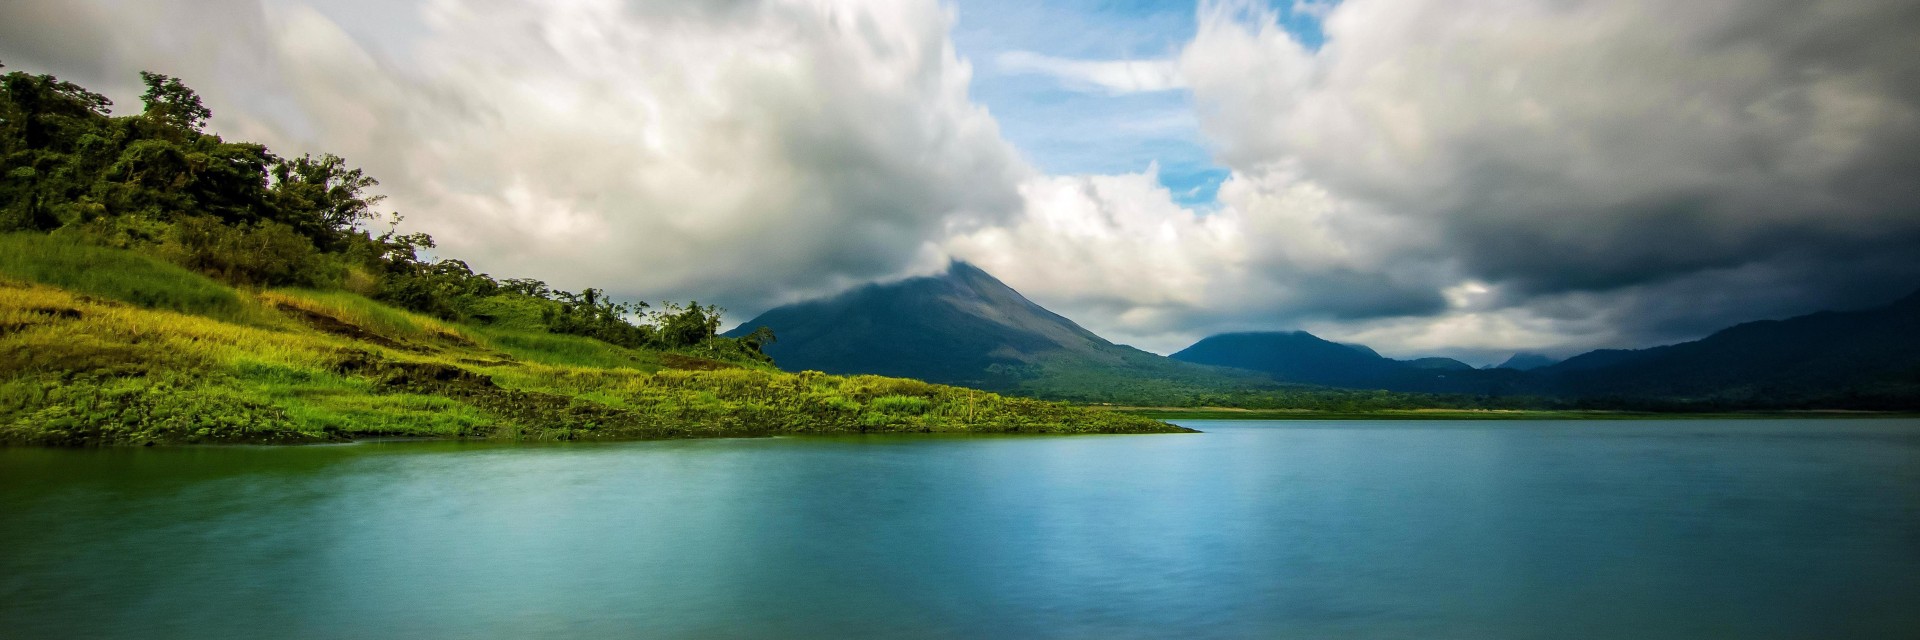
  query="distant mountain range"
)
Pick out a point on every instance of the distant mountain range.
point(1301, 357)
point(1863, 359)
point(966, 327)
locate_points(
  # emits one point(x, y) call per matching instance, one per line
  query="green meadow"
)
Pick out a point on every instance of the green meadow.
point(104, 346)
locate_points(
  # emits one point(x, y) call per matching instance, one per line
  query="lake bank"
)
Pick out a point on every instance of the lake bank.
point(1231, 413)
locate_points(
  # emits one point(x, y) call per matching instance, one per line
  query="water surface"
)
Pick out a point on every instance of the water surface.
point(1750, 529)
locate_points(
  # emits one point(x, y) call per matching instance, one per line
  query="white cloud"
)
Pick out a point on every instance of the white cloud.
point(756, 150)
point(1457, 176)
point(1114, 252)
point(1593, 170)
point(1110, 76)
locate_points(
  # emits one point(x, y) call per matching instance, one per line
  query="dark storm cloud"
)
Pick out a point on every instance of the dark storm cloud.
point(1674, 167)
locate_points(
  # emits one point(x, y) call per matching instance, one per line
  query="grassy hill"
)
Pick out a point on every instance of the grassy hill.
point(105, 346)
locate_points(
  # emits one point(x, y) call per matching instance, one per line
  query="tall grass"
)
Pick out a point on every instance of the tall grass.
point(125, 276)
point(569, 351)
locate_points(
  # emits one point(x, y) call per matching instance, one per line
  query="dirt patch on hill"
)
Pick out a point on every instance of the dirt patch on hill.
point(329, 324)
point(690, 363)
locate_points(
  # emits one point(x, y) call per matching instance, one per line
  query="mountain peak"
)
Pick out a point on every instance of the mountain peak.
point(965, 272)
point(962, 326)
point(1289, 355)
point(956, 266)
point(1526, 361)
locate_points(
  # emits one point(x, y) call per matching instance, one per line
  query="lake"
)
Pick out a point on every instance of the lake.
point(1535, 529)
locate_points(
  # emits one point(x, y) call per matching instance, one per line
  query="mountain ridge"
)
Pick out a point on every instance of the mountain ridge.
point(966, 327)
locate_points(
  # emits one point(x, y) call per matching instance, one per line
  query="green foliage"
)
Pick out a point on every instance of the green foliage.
point(262, 254)
point(686, 326)
point(323, 198)
point(172, 103)
point(137, 411)
point(901, 405)
point(592, 314)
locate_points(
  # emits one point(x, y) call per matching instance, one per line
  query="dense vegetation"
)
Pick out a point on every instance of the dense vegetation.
point(159, 284)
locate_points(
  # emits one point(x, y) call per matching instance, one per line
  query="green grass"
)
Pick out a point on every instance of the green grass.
point(132, 351)
point(567, 351)
point(359, 311)
point(124, 276)
point(520, 314)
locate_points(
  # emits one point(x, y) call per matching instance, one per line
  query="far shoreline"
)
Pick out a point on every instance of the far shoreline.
point(1232, 413)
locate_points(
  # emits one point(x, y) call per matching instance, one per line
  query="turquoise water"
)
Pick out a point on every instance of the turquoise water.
point(1761, 529)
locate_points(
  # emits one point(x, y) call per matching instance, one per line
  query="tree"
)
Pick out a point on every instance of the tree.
point(323, 197)
point(759, 339)
point(172, 103)
point(686, 326)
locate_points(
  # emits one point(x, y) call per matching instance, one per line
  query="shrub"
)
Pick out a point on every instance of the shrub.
point(902, 405)
point(265, 254)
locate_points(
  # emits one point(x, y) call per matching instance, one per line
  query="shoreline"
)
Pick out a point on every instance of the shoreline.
point(1231, 413)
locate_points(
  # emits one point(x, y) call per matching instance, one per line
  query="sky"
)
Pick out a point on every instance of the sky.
point(1466, 178)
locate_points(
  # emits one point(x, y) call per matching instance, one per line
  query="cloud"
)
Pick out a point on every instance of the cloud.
point(1602, 173)
point(757, 150)
point(1586, 145)
point(1113, 251)
point(1110, 76)
point(1638, 157)
point(1464, 177)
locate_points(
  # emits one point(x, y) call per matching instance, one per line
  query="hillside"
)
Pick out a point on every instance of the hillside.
point(1294, 356)
point(1832, 360)
point(966, 327)
point(102, 347)
point(1525, 361)
point(1868, 359)
point(1303, 358)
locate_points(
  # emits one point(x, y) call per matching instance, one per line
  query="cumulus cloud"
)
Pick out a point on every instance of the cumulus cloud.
point(1588, 146)
point(1603, 172)
point(752, 149)
point(1113, 252)
point(1463, 176)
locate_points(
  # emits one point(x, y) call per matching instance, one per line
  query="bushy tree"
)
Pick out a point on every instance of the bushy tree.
point(686, 326)
point(171, 103)
point(322, 197)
